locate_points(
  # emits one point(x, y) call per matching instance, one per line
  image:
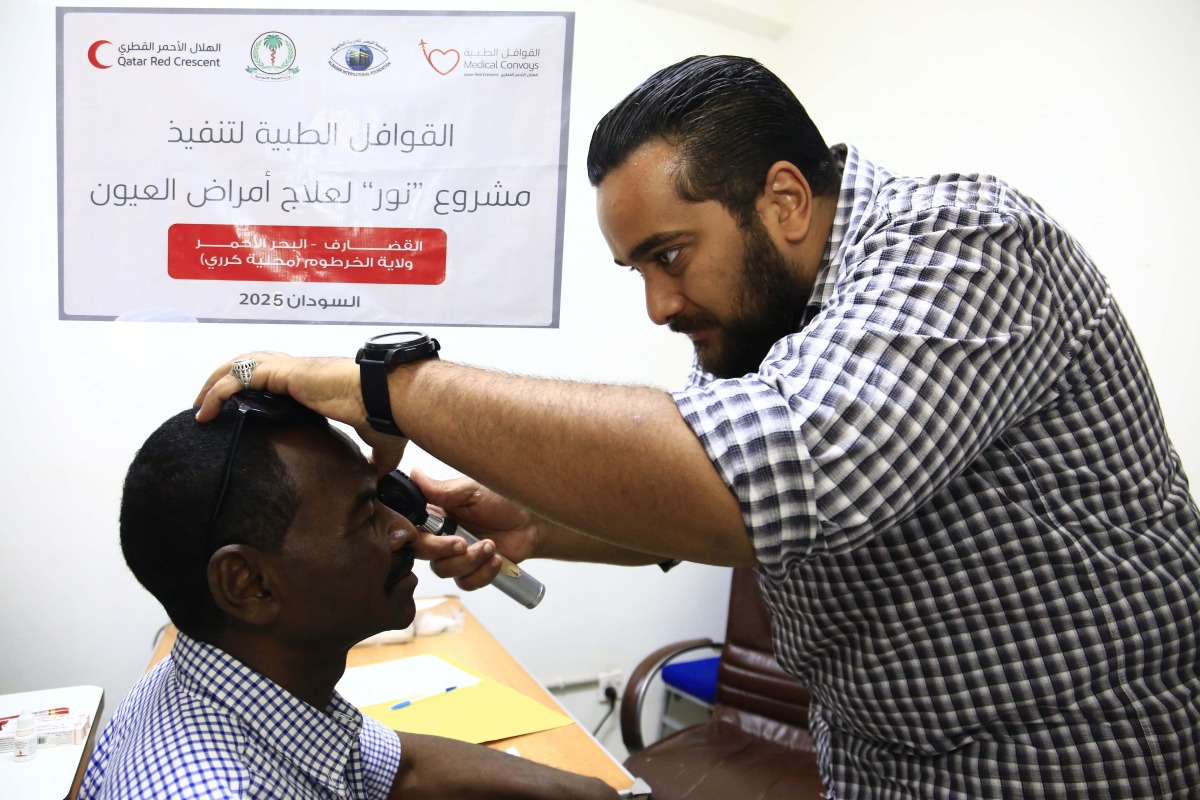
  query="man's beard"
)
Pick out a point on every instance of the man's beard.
point(768, 305)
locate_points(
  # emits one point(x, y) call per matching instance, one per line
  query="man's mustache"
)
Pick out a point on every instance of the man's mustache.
point(402, 566)
point(690, 323)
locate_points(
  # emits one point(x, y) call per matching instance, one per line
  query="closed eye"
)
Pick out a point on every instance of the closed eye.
point(371, 519)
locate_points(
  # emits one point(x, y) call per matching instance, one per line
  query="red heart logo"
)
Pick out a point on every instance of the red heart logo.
point(443, 58)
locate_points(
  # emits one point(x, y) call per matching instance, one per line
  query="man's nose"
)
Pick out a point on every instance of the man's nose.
point(663, 299)
point(400, 530)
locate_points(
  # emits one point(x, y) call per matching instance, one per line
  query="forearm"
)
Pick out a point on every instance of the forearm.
point(434, 767)
point(616, 462)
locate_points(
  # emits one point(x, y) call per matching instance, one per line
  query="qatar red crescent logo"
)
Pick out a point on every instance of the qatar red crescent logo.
point(442, 61)
point(93, 51)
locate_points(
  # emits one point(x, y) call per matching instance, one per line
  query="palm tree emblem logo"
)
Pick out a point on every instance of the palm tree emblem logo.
point(273, 53)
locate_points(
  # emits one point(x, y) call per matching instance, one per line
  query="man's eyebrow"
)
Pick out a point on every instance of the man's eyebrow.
point(650, 243)
point(365, 497)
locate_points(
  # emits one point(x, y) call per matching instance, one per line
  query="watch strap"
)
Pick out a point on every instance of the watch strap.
point(378, 402)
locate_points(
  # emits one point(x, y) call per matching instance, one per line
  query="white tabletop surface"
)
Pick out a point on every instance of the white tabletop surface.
point(50, 774)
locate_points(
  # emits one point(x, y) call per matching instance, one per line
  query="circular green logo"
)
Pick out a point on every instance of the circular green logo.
point(273, 53)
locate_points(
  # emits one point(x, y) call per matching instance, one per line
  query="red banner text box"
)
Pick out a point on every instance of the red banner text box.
point(306, 254)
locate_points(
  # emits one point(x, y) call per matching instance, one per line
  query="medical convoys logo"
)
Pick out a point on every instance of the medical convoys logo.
point(273, 55)
point(441, 61)
point(359, 58)
point(485, 61)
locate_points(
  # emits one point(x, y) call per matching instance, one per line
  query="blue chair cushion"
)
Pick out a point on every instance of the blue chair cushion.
point(697, 678)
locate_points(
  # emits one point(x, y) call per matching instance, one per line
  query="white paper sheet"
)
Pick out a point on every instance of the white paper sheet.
point(401, 679)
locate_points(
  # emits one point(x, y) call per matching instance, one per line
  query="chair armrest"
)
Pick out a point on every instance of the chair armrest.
point(639, 682)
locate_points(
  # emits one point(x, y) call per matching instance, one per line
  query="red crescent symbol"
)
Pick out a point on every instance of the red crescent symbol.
point(92, 54)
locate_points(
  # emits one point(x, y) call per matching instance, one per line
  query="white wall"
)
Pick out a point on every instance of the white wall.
point(1092, 114)
point(1092, 108)
point(80, 397)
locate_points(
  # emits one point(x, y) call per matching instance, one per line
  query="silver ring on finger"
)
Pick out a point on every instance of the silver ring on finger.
point(243, 370)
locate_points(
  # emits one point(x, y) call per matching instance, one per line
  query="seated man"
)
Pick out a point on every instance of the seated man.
point(262, 537)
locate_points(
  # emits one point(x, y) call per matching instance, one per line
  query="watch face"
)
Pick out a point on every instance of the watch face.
point(388, 341)
point(399, 347)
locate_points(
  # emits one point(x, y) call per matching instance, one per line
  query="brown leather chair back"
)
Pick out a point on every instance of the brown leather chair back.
point(757, 743)
point(750, 681)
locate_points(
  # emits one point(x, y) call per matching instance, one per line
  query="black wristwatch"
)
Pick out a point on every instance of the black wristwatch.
point(376, 359)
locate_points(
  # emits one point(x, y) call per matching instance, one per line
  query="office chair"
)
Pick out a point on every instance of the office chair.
point(689, 692)
point(756, 746)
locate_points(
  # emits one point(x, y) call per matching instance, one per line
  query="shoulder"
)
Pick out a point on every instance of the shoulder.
point(178, 766)
point(983, 192)
point(919, 227)
point(949, 201)
point(163, 741)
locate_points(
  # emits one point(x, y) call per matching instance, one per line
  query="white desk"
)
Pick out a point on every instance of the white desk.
point(52, 774)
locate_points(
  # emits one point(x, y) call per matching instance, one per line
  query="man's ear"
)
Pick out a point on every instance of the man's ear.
point(786, 203)
point(244, 584)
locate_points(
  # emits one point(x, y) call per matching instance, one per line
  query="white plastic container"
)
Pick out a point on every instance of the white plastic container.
point(26, 739)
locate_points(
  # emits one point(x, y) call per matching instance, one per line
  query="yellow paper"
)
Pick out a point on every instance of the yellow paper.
point(484, 712)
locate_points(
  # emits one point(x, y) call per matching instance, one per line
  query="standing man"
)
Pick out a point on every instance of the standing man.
point(916, 408)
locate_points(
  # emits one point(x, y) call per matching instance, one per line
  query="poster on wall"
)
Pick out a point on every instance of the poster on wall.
point(312, 166)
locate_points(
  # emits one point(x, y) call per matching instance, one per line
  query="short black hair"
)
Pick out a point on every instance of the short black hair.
point(170, 492)
point(730, 119)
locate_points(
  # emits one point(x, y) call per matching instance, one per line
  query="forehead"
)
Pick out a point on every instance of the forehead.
point(634, 197)
point(638, 207)
point(651, 168)
point(330, 473)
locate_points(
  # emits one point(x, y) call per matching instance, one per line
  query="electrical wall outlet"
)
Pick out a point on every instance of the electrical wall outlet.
point(611, 677)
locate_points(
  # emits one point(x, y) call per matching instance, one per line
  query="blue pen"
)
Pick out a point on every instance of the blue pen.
point(406, 703)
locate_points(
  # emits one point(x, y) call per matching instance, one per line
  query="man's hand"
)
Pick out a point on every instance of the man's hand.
point(329, 386)
point(386, 450)
point(497, 522)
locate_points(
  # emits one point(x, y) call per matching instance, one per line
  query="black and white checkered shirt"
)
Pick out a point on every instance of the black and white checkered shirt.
point(977, 542)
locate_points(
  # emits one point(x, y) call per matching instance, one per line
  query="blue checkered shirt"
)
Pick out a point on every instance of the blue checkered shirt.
point(203, 725)
point(976, 539)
